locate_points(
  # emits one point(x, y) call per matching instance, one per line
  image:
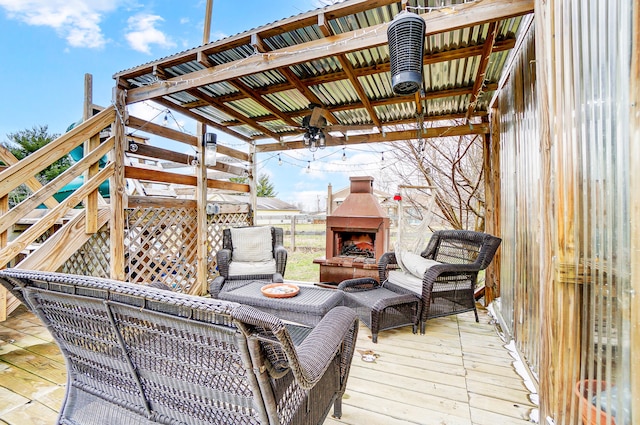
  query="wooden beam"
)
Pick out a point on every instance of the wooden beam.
point(282, 26)
point(132, 172)
point(202, 58)
point(428, 59)
point(466, 15)
point(179, 158)
point(160, 202)
point(348, 70)
point(346, 66)
point(249, 92)
point(433, 132)
point(179, 136)
point(478, 83)
point(232, 112)
point(202, 119)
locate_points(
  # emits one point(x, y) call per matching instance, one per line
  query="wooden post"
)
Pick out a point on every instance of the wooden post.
point(91, 202)
point(492, 202)
point(118, 193)
point(293, 233)
point(4, 207)
point(253, 187)
point(201, 215)
point(207, 22)
point(634, 203)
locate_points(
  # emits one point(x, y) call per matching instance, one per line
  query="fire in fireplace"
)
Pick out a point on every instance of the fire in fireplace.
point(356, 244)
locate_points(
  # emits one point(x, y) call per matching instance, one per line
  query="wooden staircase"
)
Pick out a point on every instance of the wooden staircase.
point(58, 242)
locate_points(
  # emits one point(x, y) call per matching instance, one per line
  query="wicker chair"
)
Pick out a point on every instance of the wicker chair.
point(142, 355)
point(446, 287)
point(242, 265)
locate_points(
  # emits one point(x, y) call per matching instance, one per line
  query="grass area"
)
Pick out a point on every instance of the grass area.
point(307, 248)
point(300, 265)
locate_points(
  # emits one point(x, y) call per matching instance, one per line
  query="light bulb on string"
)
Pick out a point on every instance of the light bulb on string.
point(165, 121)
point(308, 167)
point(279, 160)
point(344, 155)
point(382, 153)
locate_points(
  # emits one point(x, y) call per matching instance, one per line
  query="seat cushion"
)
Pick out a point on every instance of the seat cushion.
point(240, 268)
point(406, 281)
point(251, 244)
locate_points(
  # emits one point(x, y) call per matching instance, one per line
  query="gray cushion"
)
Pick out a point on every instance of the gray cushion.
point(252, 244)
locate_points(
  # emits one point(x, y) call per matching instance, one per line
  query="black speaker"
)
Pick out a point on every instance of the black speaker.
point(406, 47)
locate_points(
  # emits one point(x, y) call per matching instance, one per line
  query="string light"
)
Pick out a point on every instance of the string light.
point(165, 121)
point(382, 153)
point(308, 167)
point(279, 160)
point(344, 155)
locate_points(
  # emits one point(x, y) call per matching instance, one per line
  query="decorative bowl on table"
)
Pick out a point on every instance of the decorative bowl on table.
point(280, 290)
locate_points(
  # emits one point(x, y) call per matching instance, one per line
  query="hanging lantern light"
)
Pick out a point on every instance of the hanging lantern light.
point(210, 144)
point(406, 47)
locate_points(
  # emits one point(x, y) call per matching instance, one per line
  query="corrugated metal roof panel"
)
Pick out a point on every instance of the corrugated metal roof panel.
point(249, 107)
point(288, 100)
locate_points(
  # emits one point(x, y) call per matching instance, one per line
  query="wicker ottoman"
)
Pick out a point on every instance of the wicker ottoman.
point(378, 307)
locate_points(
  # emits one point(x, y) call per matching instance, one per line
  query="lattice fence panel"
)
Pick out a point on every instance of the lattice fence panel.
point(93, 259)
point(161, 246)
point(216, 223)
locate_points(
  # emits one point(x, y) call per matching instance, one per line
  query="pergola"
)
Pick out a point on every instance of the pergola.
point(257, 86)
point(555, 101)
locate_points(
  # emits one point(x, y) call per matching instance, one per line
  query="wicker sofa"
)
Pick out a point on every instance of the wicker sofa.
point(141, 355)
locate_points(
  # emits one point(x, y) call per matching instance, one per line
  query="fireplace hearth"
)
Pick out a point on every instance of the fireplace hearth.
point(357, 235)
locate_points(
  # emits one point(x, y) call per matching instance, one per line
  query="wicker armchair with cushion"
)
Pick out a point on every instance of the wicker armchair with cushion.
point(142, 355)
point(441, 278)
point(247, 254)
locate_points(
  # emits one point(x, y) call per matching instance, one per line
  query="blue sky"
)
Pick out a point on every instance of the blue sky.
point(47, 46)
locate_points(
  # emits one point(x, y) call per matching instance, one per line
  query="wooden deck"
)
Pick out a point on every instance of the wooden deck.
point(459, 373)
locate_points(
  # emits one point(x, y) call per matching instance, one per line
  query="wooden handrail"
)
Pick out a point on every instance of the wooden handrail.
point(23, 208)
point(19, 173)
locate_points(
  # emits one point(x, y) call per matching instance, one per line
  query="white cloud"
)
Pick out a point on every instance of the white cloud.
point(142, 33)
point(77, 21)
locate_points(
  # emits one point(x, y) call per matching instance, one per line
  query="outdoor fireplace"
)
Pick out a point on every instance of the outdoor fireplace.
point(357, 235)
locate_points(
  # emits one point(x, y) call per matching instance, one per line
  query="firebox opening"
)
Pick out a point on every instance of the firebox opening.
point(356, 244)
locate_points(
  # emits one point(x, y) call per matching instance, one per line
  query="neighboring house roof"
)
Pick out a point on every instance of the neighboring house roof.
point(263, 203)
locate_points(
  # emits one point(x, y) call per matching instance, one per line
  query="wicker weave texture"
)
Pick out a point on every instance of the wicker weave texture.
point(225, 255)
point(448, 288)
point(141, 355)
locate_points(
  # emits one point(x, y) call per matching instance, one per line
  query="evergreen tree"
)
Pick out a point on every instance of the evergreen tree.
point(22, 144)
point(264, 187)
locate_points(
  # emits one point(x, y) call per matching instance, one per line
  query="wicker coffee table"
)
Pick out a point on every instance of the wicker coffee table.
point(308, 307)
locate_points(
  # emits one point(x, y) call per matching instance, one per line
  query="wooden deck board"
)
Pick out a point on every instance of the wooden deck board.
point(459, 373)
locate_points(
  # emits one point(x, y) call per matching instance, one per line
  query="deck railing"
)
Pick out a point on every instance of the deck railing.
point(160, 235)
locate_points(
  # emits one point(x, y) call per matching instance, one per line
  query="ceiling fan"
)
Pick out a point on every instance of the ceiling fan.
point(316, 127)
